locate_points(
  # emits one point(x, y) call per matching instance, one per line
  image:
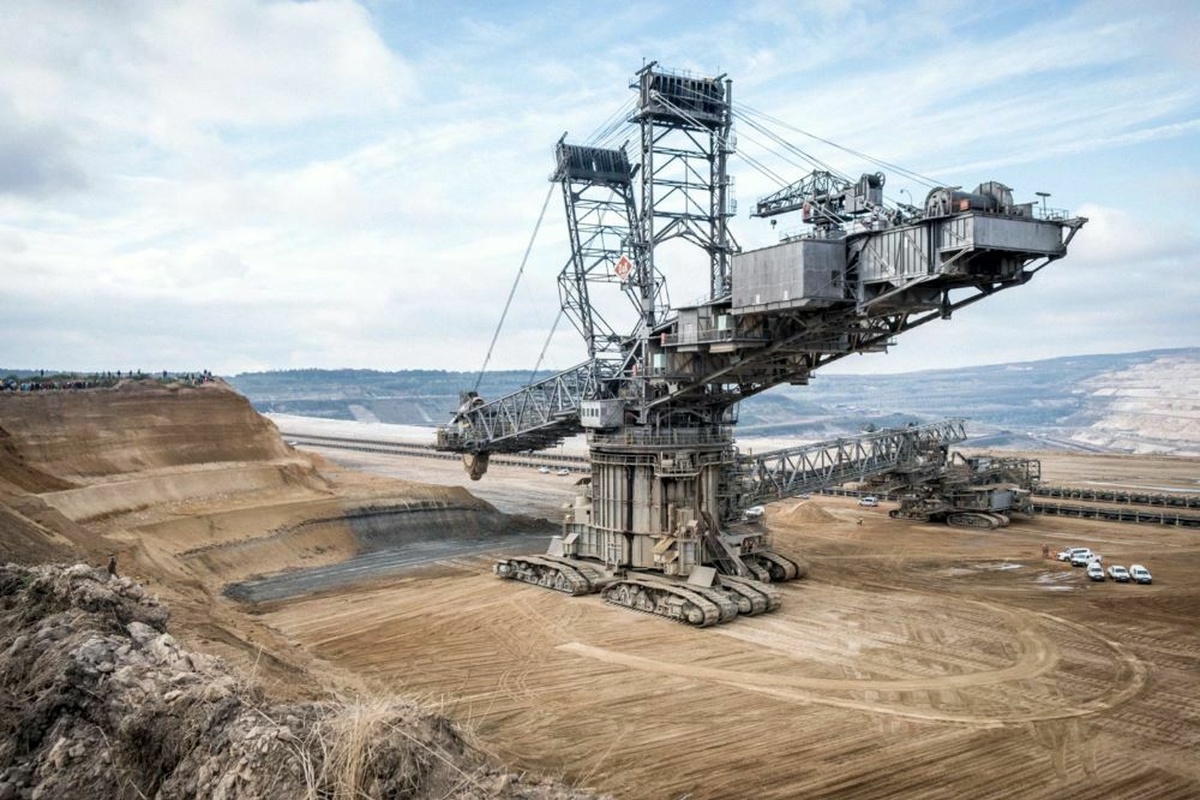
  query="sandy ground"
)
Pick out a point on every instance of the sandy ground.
point(1143, 473)
point(916, 660)
point(191, 490)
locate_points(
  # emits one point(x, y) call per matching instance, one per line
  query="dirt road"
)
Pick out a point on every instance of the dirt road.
point(917, 660)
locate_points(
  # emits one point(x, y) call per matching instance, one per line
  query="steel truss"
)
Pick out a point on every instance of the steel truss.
point(535, 417)
point(598, 194)
point(811, 467)
point(686, 123)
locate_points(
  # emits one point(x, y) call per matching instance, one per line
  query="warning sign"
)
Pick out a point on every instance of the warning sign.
point(624, 267)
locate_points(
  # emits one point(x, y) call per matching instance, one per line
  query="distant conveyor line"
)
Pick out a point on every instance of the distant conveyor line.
point(1169, 499)
point(1129, 514)
point(1139, 515)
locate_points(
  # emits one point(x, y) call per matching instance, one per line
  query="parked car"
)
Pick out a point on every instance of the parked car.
point(868, 501)
point(563, 471)
point(1140, 574)
point(1095, 571)
point(754, 513)
point(1083, 557)
point(1067, 552)
point(544, 470)
point(1118, 573)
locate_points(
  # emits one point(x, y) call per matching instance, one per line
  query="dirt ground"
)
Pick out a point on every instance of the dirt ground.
point(916, 660)
point(191, 490)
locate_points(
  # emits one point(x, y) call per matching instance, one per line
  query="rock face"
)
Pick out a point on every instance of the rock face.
point(98, 700)
point(92, 433)
point(1151, 408)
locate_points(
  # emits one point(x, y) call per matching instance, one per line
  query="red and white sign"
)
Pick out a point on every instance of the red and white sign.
point(624, 267)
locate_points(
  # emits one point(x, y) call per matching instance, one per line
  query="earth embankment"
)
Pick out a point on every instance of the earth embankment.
point(98, 699)
point(191, 490)
point(135, 426)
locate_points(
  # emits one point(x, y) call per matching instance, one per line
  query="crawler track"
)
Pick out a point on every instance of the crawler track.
point(547, 572)
point(760, 597)
point(648, 593)
point(985, 520)
point(674, 601)
point(779, 568)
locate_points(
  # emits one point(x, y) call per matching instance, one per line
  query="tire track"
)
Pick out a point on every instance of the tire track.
point(1036, 655)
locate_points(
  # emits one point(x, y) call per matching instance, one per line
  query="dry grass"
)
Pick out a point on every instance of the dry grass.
point(377, 746)
point(349, 739)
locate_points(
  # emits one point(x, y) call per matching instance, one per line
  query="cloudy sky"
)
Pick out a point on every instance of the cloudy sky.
point(235, 185)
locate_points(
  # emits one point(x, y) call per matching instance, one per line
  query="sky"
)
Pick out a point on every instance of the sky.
point(241, 186)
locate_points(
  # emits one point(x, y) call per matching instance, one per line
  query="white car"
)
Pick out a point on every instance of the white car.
point(1118, 573)
point(868, 501)
point(1095, 571)
point(1083, 557)
point(544, 470)
point(1140, 574)
point(1067, 553)
point(754, 513)
point(562, 471)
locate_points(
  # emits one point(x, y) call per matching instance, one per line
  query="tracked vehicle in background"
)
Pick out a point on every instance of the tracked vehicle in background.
point(972, 492)
point(659, 525)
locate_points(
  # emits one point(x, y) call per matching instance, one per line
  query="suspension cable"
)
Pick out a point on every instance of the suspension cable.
point(545, 347)
point(789, 146)
point(611, 128)
point(750, 160)
point(766, 171)
point(916, 176)
point(487, 359)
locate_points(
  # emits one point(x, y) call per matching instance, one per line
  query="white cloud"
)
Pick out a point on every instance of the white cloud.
point(36, 159)
point(318, 184)
point(215, 62)
point(1128, 238)
point(168, 88)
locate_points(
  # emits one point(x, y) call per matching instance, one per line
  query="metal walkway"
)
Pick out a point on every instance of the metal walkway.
point(913, 453)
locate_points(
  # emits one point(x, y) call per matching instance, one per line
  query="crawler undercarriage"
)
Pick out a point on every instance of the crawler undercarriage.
point(706, 598)
point(955, 517)
point(973, 492)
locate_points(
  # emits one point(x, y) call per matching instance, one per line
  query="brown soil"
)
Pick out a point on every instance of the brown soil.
point(804, 511)
point(190, 489)
point(916, 660)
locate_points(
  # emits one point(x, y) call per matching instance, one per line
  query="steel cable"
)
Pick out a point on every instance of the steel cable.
point(504, 314)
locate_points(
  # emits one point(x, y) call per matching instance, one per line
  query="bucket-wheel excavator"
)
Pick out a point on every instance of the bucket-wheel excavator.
point(969, 491)
point(659, 526)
